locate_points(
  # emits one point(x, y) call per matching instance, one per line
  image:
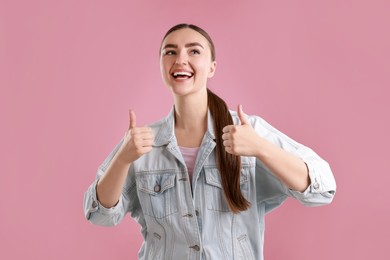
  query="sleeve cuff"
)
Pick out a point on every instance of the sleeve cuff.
point(319, 192)
point(93, 205)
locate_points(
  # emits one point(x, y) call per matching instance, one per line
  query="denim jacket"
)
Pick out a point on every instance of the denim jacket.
point(178, 222)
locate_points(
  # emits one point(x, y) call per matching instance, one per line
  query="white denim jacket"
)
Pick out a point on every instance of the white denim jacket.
point(178, 223)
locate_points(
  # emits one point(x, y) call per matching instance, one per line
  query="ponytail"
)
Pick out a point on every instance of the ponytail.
point(229, 165)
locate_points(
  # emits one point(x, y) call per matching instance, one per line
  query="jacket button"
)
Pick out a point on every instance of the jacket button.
point(157, 188)
point(94, 204)
point(196, 213)
point(316, 185)
point(195, 247)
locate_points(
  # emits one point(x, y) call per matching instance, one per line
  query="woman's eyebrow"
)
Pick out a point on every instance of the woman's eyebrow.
point(169, 45)
point(191, 44)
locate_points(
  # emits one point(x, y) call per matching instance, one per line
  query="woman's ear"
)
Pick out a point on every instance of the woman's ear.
point(213, 67)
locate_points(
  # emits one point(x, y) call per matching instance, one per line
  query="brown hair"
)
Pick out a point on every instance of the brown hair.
point(195, 28)
point(229, 165)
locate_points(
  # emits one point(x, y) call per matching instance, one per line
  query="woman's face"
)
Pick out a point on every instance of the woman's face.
point(185, 62)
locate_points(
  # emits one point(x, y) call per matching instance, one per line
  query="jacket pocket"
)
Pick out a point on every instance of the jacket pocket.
point(245, 247)
point(155, 251)
point(214, 192)
point(157, 193)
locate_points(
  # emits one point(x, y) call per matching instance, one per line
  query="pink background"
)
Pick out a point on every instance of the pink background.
point(69, 71)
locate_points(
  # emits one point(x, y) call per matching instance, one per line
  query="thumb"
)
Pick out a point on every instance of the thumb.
point(132, 119)
point(242, 116)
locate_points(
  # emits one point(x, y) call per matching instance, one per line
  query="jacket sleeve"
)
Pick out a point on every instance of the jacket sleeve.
point(96, 213)
point(322, 186)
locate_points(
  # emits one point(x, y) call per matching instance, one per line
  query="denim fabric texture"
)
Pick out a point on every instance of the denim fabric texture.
point(180, 223)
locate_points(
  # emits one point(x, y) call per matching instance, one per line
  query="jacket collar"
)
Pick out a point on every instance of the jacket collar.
point(166, 129)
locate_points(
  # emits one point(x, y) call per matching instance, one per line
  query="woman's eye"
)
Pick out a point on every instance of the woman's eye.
point(195, 51)
point(169, 52)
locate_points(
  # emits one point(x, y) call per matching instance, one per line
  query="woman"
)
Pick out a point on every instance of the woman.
point(200, 181)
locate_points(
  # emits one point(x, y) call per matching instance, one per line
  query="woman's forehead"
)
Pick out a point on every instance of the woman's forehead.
point(185, 36)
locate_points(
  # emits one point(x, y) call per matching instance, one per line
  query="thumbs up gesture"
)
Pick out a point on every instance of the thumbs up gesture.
point(137, 141)
point(241, 139)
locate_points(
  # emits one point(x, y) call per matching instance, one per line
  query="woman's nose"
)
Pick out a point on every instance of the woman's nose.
point(182, 58)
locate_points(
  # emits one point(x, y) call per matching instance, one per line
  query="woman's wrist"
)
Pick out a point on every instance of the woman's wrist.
point(262, 148)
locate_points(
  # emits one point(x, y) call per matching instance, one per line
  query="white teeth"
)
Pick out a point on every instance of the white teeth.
point(182, 73)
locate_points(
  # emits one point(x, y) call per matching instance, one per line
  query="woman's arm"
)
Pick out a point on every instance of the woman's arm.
point(136, 142)
point(244, 141)
point(288, 168)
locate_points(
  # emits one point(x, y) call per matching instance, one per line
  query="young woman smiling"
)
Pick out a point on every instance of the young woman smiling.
point(200, 181)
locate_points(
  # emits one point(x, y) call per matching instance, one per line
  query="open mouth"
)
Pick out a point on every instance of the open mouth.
point(182, 75)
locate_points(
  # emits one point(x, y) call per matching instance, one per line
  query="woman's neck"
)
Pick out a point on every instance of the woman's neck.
point(191, 111)
point(191, 119)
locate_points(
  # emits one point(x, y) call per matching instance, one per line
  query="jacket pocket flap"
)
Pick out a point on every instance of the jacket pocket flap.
point(214, 178)
point(155, 184)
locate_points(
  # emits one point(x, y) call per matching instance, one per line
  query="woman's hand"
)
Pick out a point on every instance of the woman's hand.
point(241, 139)
point(136, 142)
